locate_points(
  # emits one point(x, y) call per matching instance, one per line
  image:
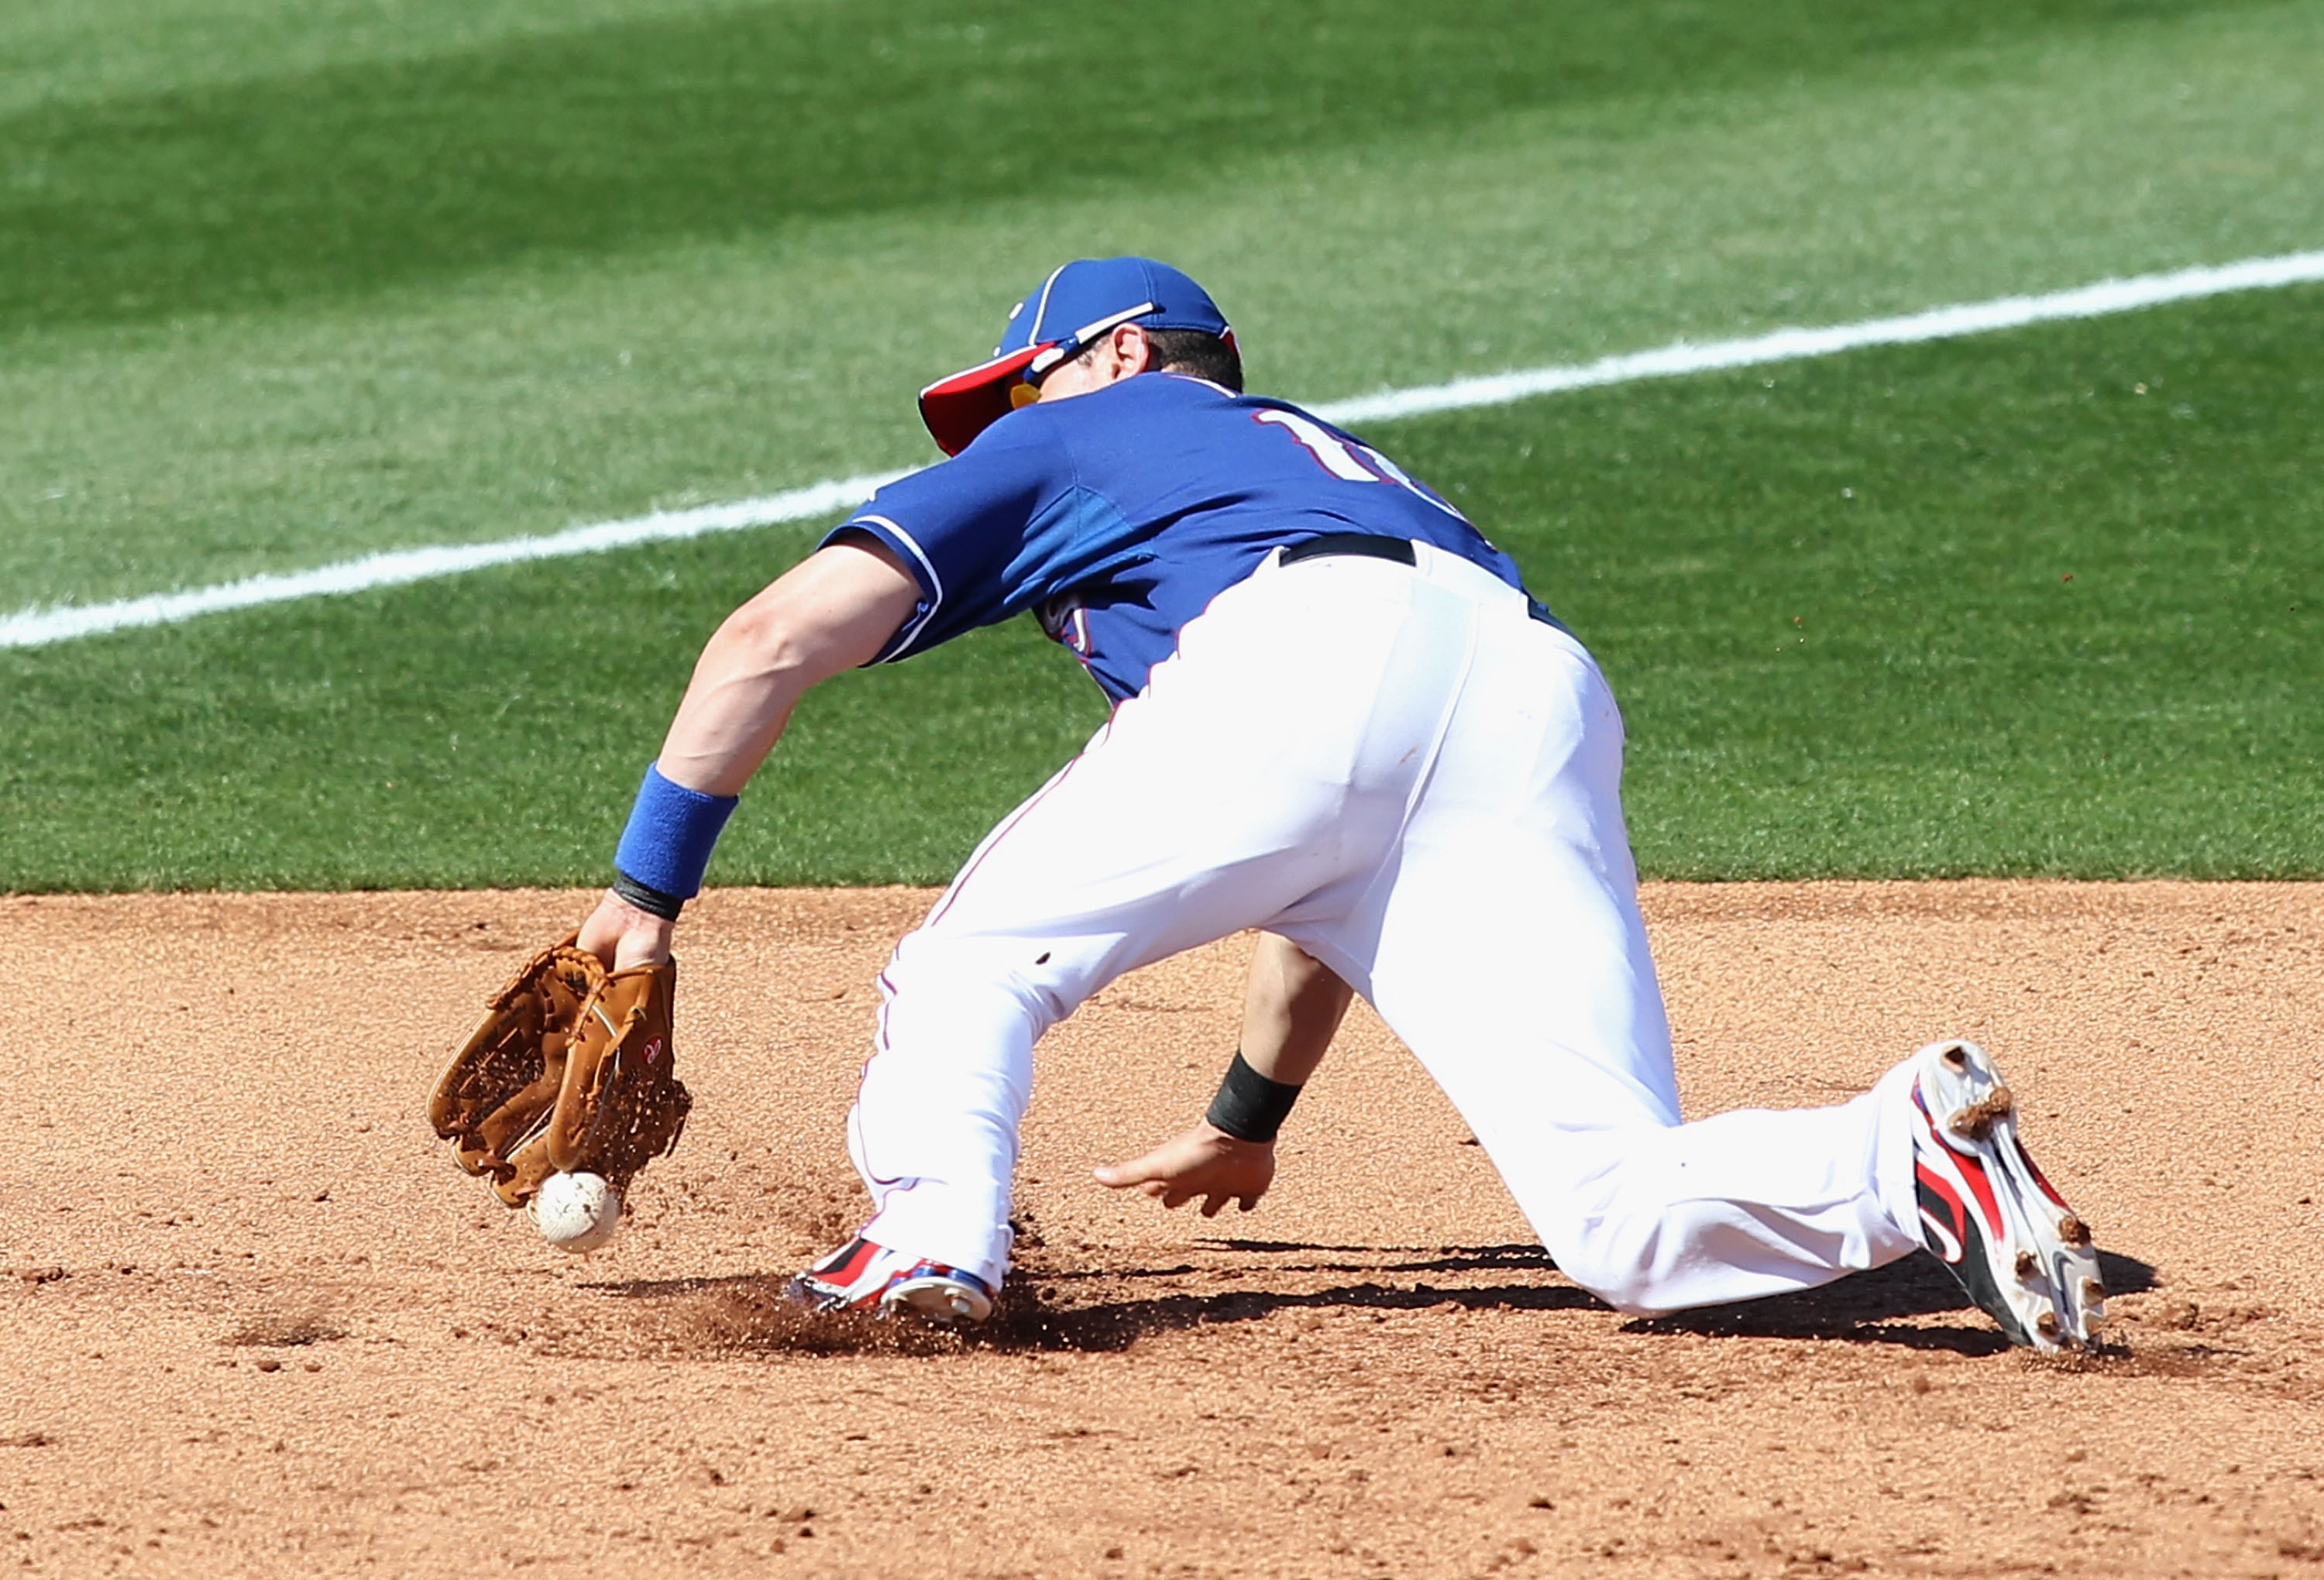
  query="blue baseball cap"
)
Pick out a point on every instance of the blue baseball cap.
point(1078, 303)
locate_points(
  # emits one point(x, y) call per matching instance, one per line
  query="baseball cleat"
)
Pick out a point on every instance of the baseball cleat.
point(1986, 1212)
point(861, 1276)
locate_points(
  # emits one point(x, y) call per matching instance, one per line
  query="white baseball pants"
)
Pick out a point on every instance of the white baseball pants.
point(1397, 770)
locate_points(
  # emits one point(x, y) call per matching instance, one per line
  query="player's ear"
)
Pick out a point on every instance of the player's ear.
point(1133, 351)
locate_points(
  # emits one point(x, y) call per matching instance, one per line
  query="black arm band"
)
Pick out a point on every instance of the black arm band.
point(1249, 1107)
point(646, 898)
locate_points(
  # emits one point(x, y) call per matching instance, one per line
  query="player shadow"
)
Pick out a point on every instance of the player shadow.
point(1034, 1323)
point(745, 1313)
point(1375, 1261)
point(1873, 1308)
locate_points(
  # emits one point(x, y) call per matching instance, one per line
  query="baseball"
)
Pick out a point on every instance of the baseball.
point(577, 1212)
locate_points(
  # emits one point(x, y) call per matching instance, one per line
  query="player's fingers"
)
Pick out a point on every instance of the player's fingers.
point(1246, 1203)
point(1210, 1205)
point(1115, 1176)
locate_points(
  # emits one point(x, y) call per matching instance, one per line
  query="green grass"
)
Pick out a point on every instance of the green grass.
point(343, 178)
point(413, 400)
point(490, 731)
point(285, 284)
point(1836, 610)
point(2051, 604)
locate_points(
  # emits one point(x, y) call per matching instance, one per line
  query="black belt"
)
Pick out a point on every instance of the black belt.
point(1374, 546)
point(1370, 544)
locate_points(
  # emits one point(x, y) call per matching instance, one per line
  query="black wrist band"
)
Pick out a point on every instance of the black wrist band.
point(647, 898)
point(1249, 1107)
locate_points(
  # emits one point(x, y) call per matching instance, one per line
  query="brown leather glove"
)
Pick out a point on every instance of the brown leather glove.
point(571, 1071)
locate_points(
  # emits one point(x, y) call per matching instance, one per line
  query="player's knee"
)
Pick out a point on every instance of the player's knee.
point(1612, 1264)
point(931, 966)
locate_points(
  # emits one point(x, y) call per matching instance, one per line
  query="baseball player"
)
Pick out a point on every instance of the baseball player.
point(1339, 718)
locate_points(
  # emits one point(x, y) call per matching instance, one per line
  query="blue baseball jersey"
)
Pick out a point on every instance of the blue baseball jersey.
point(1117, 516)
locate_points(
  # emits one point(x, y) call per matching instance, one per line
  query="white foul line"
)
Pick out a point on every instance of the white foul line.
point(36, 627)
point(39, 627)
point(2089, 301)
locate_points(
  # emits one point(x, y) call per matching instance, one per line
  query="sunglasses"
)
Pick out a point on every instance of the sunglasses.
point(1028, 388)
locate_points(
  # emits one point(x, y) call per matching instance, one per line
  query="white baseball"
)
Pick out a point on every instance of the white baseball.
point(577, 1212)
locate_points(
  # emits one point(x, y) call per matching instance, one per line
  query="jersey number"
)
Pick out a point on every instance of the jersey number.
point(1346, 460)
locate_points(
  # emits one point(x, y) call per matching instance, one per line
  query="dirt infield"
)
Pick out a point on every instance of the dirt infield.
point(258, 1325)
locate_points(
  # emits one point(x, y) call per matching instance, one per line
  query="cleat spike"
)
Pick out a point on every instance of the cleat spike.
point(2073, 1231)
point(1975, 1122)
point(1956, 1055)
point(2046, 1325)
point(2028, 1266)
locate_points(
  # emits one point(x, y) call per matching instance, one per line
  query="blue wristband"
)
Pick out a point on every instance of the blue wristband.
point(672, 832)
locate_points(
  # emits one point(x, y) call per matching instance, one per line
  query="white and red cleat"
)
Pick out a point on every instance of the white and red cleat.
point(1986, 1212)
point(861, 1276)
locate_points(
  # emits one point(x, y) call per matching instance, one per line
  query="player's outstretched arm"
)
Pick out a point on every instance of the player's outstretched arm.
point(1292, 1007)
point(833, 610)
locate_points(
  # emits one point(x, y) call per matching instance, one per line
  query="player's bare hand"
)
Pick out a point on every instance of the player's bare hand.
point(620, 934)
point(1204, 1161)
